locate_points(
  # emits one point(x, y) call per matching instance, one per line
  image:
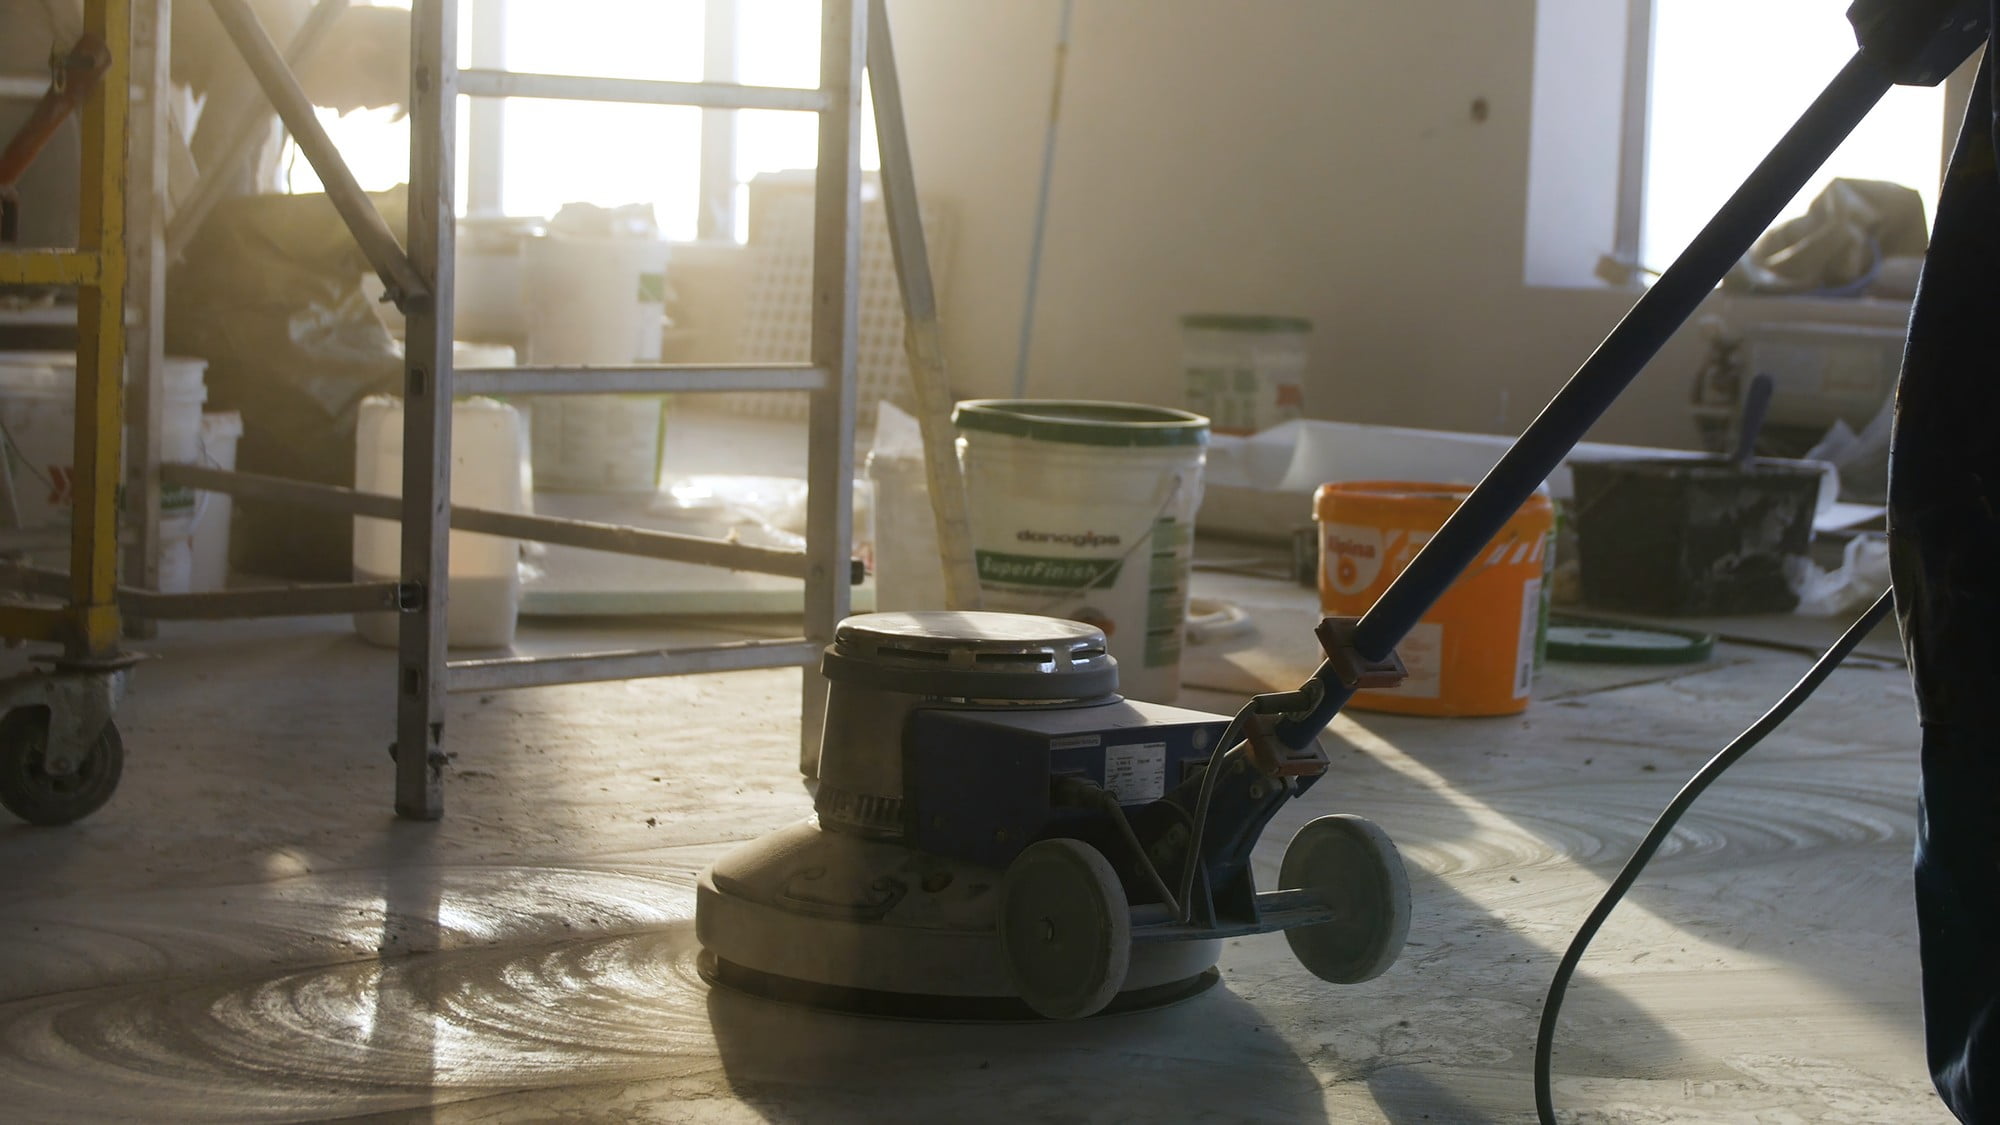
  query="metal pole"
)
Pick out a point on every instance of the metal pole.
point(370, 231)
point(637, 91)
point(247, 123)
point(620, 539)
point(923, 337)
point(145, 235)
point(1041, 208)
point(1655, 318)
point(830, 428)
point(426, 562)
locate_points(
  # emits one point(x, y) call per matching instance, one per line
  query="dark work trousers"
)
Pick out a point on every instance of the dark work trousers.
point(1944, 533)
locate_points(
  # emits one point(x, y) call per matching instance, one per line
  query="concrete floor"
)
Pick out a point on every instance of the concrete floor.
point(246, 934)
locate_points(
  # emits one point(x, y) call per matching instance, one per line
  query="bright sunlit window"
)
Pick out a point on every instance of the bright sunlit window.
point(557, 152)
point(1728, 77)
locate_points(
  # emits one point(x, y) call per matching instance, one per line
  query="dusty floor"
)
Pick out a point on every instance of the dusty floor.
point(245, 933)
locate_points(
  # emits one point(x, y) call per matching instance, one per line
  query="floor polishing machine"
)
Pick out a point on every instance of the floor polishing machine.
point(998, 834)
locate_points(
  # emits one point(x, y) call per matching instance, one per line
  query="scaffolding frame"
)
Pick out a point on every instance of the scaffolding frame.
point(418, 277)
point(88, 625)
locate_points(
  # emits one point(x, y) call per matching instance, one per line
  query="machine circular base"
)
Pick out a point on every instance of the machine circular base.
point(941, 1009)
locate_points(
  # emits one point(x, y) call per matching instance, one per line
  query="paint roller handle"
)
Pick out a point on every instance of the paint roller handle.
point(1750, 423)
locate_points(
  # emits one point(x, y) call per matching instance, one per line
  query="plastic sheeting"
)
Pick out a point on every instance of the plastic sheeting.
point(1857, 237)
point(270, 293)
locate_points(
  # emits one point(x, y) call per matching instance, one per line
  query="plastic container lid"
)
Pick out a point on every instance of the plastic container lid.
point(1362, 497)
point(1593, 643)
point(1116, 424)
point(52, 374)
point(1232, 322)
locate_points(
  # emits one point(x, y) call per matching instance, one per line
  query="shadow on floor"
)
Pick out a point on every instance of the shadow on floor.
point(1213, 1057)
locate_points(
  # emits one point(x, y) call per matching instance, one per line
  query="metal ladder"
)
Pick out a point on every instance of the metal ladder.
point(420, 281)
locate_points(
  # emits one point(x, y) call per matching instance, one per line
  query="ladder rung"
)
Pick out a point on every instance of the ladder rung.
point(652, 379)
point(49, 267)
point(34, 623)
point(617, 539)
point(547, 671)
point(31, 88)
point(585, 88)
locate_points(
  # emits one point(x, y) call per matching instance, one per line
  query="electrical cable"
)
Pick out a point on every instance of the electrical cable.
point(1221, 751)
point(1669, 817)
point(1110, 804)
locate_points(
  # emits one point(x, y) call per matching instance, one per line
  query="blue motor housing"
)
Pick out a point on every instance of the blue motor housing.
point(976, 780)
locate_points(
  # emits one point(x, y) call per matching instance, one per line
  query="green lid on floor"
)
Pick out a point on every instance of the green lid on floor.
point(1590, 643)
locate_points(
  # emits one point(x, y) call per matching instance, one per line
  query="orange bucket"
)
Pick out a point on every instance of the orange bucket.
point(1474, 652)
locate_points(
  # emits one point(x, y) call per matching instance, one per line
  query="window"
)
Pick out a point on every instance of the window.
point(525, 156)
point(1647, 114)
point(1728, 78)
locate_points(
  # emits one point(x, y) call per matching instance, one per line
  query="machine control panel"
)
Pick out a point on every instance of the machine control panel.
point(976, 784)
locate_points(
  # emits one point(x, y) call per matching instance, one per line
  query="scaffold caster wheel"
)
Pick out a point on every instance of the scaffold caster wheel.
point(1065, 929)
point(1350, 864)
point(31, 792)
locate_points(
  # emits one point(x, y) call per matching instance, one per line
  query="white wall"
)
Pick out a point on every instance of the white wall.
point(1314, 157)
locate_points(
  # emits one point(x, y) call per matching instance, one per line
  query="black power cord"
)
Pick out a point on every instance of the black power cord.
point(1545, 1035)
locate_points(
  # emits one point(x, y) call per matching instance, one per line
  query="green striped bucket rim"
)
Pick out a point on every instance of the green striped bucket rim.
point(1076, 422)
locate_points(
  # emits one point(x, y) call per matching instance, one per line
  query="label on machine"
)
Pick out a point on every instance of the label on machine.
point(1136, 773)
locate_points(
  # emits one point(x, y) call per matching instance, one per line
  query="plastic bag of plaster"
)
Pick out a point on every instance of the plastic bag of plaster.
point(1859, 237)
point(588, 220)
point(270, 293)
point(1847, 589)
point(903, 539)
point(1862, 458)
point(758, 511)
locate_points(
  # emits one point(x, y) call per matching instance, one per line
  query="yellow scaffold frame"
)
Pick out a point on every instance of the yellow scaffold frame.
point(88, 626)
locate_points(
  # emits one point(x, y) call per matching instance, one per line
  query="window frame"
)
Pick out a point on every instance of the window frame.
point(715, 217)
point(1553, 260)
point(1634, 133)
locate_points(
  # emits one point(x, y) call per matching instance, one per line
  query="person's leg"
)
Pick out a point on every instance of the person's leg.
point(1944, 522)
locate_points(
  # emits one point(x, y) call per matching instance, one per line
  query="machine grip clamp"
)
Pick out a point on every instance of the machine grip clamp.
point(1275, 759)
point(1356, 672)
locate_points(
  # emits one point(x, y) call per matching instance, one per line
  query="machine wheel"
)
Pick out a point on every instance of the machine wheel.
point(30, 792)
point(1065, 928)
point(1351, 865)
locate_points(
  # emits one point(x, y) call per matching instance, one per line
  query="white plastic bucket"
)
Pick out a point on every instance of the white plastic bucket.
point(596, 301)
point(907, 572)
point(484, 591)
point(599, 443)
point(209, 560)
point(38, 424)
point(491, 303)
point(1085, 510)
point(1246, 373)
